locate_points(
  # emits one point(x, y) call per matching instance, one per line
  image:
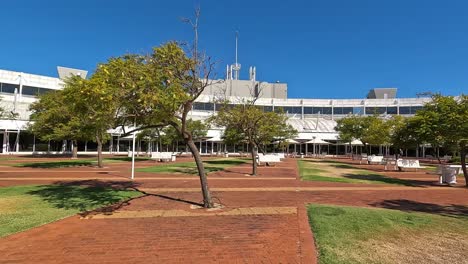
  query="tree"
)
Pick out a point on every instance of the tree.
point(93, 105)
point(159, 89)
point(349, 128)
point(443, 121)
point(170, 136)
point(83, 110)
point(247, 123)
point(52, 119)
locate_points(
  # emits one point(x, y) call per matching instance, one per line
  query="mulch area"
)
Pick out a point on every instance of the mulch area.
point(246, 238)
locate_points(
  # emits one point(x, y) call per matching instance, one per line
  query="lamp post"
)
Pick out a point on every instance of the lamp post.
point(133, 151)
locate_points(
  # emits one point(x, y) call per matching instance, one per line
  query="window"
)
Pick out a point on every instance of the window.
point(268, 108)
point(203, 106)
point(308, 110)
point(375, 110)
point(29, 90)
point(405, 110)
point(44, 90)
point(358, 110)
point(342, 110)
point(327, 110)
point(392, 110)
point(414, 109)
point(9, 88)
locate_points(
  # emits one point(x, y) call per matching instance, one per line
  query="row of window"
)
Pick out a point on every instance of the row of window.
point(308, 110)
point(27, 90)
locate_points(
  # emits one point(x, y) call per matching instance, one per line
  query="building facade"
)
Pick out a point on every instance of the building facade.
point(313, 118)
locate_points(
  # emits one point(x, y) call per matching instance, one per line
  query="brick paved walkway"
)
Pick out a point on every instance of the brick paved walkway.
point(264, 219)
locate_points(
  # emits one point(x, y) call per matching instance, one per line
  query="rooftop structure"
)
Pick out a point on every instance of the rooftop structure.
point(313, 118)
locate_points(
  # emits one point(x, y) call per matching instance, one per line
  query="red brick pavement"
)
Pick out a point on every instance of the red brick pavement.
point(274, 238)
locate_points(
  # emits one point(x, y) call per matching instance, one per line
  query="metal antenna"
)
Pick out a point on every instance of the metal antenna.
point(236, 66)
point(237, 37)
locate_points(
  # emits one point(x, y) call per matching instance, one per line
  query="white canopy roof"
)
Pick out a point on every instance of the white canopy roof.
point(289, 141)
point(317, 141)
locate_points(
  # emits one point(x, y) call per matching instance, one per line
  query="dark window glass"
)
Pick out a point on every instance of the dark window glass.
point(347, 110)
point(375, 110)
point(327, 111)
point(392, 110)
point(414, 109)
point(296, 110)
point(29, 90)
point(337, 110)
point(198, 106)
point(268, 108)
point(317, 110)
point(45, 90)
point(209, 106)
point(308, 110)
point(358, 110)
point(405, 110)
point(9, 88)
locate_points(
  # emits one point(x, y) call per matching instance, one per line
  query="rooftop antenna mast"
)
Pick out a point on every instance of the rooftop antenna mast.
point(236, 66)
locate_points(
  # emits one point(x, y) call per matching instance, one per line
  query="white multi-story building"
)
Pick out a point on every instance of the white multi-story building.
point(313, 118)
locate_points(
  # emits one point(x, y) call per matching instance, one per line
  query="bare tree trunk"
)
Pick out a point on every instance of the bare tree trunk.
point(253, 152)
point(75, 149)
point(463, 163)
point(437, 155)
point(207, 202)
point(99, 150)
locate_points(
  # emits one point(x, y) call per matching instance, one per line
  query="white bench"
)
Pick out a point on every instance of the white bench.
point(409, 164)
point(375, 159)
point(362, 158)
point(280, 155)
point(268, 159)
point(163, 156)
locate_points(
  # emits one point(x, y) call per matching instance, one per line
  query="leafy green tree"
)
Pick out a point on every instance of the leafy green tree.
point(350, 128)
point(94, 106)
point(52, 119)
point(159, 89)
point(442, 122)
point(83, 110)
point(247, 123)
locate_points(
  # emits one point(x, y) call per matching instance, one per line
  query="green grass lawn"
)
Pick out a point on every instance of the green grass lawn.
point(190, 167)
point(25, 207)
point(313, 171)
point(75, 162)
point(369, 235)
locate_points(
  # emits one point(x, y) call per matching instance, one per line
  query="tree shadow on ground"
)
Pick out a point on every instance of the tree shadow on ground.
point(225, 162)
point(87, 195)
point(457, 211)
point(56, 164)
point(137, 159)
point(377, 178)
point(333, 163)
point(83, 195)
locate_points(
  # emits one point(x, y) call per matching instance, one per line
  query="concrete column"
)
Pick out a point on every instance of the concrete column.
point(5, 142)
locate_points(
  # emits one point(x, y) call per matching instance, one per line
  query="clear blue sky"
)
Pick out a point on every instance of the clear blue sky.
point(322, 49)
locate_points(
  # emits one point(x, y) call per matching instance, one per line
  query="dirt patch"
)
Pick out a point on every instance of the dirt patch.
point(10, 205)
point(333, 171)
point(417, 247)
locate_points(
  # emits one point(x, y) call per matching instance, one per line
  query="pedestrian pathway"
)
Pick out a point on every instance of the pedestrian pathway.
point(263, 219)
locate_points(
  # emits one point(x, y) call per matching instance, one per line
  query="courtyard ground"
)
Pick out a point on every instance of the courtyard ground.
point(264, 219)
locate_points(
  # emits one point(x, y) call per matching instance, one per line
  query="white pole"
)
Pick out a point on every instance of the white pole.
point(133, 156)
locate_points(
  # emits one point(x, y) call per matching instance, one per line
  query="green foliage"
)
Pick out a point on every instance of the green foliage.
point(349, 128)
point(369, 129)
point(25, 207)
point(247, 123)
point(190, 167)
point(53, 118)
